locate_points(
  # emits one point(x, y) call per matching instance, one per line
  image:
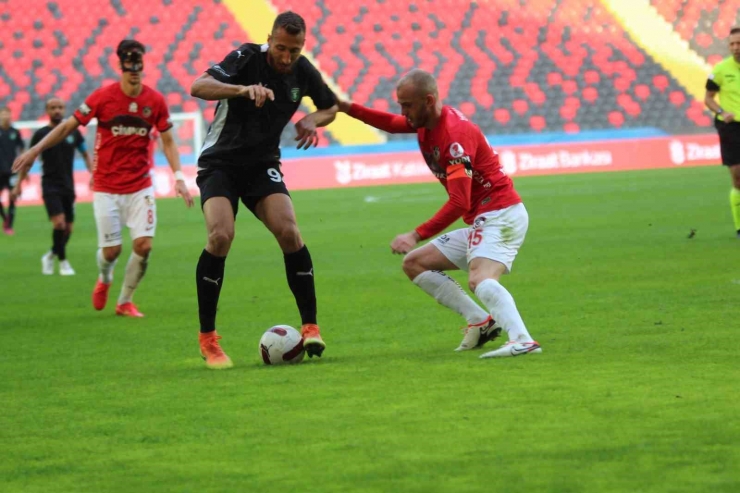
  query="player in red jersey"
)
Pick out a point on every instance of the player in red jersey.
point(127, 112)
point(459, 155)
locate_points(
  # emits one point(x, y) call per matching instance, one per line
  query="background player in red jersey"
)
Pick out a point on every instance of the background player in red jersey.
point(122, 186)
point(458, 154)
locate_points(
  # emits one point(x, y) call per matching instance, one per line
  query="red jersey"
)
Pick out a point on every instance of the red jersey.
point(459, 155)
point(121, 161)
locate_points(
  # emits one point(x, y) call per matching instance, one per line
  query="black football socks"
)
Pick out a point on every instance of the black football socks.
point(11, 214)
point(299, 269)
point(58, 246)
point(209, 276)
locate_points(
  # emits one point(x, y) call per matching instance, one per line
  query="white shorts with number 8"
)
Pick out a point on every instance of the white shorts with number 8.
point(495, 235)
point(137, 211)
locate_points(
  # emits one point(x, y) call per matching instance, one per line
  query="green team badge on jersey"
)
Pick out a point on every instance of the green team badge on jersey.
point(294, 94)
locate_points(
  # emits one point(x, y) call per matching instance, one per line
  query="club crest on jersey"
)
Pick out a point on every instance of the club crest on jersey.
point(70, 139)
point(133, 107)
point(479, 221)
point(146, 112)
point(456, 150)
point(149, 200)
point(294, 94)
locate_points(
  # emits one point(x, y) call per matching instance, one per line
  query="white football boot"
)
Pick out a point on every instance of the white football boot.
point(47, 264)
point(513, 348)
point(65, 269)
point(477, 335)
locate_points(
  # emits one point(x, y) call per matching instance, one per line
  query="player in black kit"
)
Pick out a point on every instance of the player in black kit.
point(57, 185)
point(259, 88)
point(11, 145)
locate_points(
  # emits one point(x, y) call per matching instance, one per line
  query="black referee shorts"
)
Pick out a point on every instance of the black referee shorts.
point(729, 142)
point(248, 184)
point(58, 202)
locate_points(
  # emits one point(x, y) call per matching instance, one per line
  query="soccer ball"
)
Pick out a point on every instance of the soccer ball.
point(282, 344)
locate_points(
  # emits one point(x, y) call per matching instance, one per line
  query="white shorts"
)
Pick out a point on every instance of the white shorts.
point(137, 211)
point(495, 235)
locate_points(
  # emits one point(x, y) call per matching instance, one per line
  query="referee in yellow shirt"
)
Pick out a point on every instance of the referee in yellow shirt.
point(725, 80)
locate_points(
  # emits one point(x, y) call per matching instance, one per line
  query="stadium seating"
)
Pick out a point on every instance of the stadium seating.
point(705, 25)
point(514, 66)
point(44, 55)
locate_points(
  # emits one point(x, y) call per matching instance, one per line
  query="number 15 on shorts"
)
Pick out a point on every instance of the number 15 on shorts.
point(475, 236)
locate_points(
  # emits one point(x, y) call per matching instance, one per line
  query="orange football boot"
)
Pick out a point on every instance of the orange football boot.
point(312, 341)
point(211, 351)
point(100, 295)
point(128, 310)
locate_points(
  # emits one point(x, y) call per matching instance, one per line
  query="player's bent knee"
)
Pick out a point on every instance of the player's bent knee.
point(111, 253)
point(143, 248)
point(412, 265)
point(289, 238)
point(219, 240)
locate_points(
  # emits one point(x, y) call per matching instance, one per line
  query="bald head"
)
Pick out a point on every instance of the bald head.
point(55, 110)
point(53, 101)
point(422, 82)
point(417, 94)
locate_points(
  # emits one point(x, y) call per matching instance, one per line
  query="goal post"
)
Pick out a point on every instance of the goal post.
point(188, 130)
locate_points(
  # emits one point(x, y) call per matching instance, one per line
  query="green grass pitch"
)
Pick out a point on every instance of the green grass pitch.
point(636, 390)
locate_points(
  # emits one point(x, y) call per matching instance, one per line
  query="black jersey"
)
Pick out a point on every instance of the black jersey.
point(242, 133)
point(57, 163)
point(11, 144)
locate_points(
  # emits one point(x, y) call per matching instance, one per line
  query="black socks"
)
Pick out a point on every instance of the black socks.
point(209, 276)
point(299, 269)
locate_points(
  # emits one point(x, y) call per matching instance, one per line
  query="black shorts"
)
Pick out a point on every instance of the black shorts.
point(729, 142)
point(248, 184)
point(60, 203)
point(7, 181)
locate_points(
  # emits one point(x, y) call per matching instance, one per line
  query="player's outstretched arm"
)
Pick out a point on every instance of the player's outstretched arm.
point(173, 159)
point(206, 87)
point(387, 122)
point(58, 134)
point(305, 128)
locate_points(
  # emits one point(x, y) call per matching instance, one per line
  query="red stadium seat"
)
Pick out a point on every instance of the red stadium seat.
point(522, 65)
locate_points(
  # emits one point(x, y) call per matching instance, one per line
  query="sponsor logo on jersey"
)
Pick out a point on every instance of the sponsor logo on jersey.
point(133, 107)
point(456, 150)
point(146, 112)
point(460, 160)
point(85, 109)
point(121, 131)
point(295, 94)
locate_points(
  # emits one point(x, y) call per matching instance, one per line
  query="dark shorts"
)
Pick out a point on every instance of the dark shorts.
point(241, 183)
point(7, 181)
point(729, 142)
point(60, 203)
